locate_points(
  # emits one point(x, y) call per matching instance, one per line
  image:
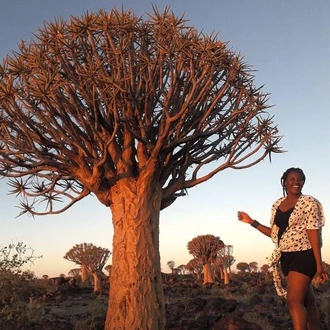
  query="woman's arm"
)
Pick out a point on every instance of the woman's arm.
point(314, 238)
point(244, 217)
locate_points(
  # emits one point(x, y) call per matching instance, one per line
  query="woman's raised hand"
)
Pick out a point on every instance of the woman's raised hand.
point(244, 217)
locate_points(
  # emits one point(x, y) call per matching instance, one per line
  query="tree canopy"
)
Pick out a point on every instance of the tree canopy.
point(109, 95)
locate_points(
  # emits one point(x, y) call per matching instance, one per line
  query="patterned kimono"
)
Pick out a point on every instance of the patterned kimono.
point(307, 214)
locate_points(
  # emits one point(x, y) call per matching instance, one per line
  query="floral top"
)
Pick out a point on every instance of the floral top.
point(307, 214)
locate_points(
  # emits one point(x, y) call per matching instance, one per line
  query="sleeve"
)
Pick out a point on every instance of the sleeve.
point(315, 216)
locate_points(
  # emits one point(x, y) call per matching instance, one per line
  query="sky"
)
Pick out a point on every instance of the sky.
point(287, 43)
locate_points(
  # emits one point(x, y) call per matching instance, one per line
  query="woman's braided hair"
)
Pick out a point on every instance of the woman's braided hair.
point(286, 173)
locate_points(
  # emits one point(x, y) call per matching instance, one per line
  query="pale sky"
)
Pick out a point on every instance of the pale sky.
point(287, 42)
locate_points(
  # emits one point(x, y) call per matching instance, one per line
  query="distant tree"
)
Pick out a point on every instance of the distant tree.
point(253, 266)
point(62, 275)
point(45, 277)
point(171, 265)
point(205, 249)
point(182, 269)
point(265, 268)
point(75, 272)
point(195, 267)
point(92, 257)
point(224, 261)
point(134, 112)
point(243, 267)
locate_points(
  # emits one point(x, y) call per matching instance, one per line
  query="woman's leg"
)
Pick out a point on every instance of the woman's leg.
point(297, 287)
point(313, 317)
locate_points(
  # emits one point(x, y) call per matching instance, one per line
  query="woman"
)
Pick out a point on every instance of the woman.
point(295, 228)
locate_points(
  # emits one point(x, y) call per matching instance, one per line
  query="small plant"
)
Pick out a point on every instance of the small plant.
point(16, 287)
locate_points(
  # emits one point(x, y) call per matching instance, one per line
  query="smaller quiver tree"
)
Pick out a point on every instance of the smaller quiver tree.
point(205, 248)
point(253, 265)
point(195, 267)
point(92, 258)
point(171, 265)
point(243, 267)
point(225, 260)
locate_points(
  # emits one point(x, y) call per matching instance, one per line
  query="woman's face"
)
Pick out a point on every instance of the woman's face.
point(294, 183)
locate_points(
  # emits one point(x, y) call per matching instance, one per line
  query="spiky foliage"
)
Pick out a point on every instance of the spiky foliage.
point(108, 95)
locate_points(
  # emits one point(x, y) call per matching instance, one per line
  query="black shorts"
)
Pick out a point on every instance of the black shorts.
point(301, 261)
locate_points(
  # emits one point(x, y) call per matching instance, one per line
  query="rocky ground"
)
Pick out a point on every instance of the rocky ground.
point(247, 303)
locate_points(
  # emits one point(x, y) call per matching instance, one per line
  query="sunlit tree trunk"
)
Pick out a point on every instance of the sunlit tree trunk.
point(226, 277)
point(136, 299)
point(208, 278)
point(97, 282)
point(221, 273)
point(84, 274)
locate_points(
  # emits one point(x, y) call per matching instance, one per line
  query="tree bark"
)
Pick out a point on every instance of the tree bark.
point(208, 278)
point(136, 299)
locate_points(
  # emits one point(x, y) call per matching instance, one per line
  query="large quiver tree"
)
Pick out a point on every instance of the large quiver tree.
point(131, 110)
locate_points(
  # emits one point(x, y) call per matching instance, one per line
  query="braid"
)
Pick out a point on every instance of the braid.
point(286, 173)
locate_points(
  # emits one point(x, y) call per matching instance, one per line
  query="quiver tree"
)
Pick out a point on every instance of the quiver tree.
point(92, 257)
point(265, 268)
point(243, 267)
point(195, 267)
point(171, 265)
point(253, 266)
point(134, 111)
point(76, 273)
point(205, 249)
point(182, 269)
point(224, 261)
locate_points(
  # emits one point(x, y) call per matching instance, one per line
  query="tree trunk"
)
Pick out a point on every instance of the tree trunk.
point(97, 282)
point(226, 277)
point(221, 273)
point(83, 273)
point(208, 278)
point(136, 299)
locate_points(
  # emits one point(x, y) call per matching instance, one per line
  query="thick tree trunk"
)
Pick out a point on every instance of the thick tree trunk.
point(136, 299)
point(208, 278)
